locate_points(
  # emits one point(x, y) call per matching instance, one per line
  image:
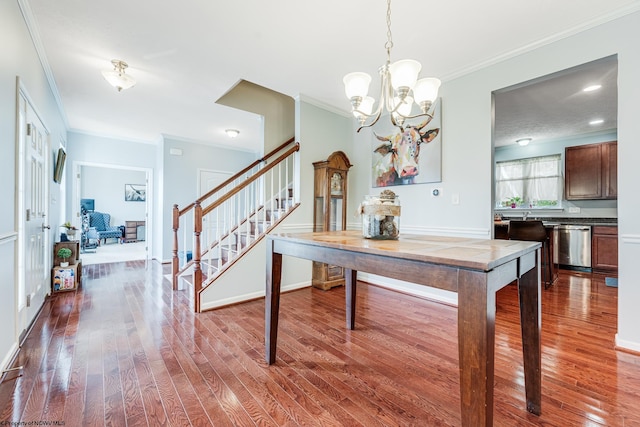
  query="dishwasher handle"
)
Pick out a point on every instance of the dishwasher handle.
point(573, 227)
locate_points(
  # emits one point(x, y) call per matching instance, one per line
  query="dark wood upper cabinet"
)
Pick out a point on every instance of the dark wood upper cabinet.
point(591, 171)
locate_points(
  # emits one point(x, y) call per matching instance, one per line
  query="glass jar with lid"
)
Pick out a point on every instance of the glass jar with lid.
point(381, 216)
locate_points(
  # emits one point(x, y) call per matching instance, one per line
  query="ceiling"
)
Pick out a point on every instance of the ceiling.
point(556, 106)
point(186, 57)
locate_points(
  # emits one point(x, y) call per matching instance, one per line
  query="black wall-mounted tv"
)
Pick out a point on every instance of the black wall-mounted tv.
point(59, 169)
point(87, 205)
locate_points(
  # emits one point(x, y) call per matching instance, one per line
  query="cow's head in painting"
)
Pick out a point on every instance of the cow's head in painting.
point(400, 153)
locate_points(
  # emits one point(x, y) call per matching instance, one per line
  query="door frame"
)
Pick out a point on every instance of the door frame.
point(20, 249)
point(75, 200)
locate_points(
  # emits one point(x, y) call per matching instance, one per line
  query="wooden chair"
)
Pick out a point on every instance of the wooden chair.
point(534, 231)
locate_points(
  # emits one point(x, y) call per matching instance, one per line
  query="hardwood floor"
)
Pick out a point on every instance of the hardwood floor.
point(126, 350)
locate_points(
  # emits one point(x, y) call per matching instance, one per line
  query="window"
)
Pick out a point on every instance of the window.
point(529, 183)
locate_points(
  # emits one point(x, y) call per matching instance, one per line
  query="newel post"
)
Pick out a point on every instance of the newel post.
point(175, 265)
point(197, 272)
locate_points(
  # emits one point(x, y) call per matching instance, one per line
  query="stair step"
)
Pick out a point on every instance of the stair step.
point(262, 226)
point(276, 214)
point(245, 238)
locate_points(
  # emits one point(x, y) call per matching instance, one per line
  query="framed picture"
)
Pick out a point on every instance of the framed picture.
point(135, 192)
point(411, 155)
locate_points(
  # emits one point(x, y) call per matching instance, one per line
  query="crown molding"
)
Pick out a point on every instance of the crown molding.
point(30, 21)
point(618, 13)
point(323, 105)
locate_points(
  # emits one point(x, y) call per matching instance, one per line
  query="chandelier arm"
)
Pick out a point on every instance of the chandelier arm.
point(376, 116)
point(416, 116)
point(370, 124)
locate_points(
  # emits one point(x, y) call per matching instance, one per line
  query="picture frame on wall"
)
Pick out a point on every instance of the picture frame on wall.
point(135, 192)
point(408, 155)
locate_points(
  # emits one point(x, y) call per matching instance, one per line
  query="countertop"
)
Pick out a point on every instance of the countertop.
point(551, 221)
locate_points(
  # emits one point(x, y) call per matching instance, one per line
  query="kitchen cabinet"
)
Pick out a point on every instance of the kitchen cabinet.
point(591, 171)
point(604, 249)
point(330, 212)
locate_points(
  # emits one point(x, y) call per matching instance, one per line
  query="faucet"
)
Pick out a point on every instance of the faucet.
point(525, 215)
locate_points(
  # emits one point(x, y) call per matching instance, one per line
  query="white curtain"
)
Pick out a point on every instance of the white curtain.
point(535, 182)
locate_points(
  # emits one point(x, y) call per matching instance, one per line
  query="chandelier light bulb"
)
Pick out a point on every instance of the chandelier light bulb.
point(404, 74)
point(425, 92)
point(399, 86)
point(356, 85)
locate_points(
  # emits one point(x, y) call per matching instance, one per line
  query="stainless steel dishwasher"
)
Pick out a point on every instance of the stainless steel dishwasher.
point(572, 244)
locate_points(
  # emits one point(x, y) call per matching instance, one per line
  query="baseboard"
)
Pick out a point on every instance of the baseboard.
point(9, 357)
point(251, 296)
point(425, 292)
point(627, 346)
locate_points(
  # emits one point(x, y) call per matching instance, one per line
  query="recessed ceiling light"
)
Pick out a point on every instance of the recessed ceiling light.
point(232, 133)
point(591, 88)
point(523, 141)
point(596, 122)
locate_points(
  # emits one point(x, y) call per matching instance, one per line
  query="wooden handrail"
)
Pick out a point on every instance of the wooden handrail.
point(236, 176)
point(253, 178)
point(199, 211)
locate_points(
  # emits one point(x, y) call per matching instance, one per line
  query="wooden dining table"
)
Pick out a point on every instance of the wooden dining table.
point(473, 268)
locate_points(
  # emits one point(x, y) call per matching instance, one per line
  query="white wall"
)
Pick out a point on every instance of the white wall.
point(18, 58)
point(88, 151)
point(106, 187)
point(467, 149)
point(180, 177)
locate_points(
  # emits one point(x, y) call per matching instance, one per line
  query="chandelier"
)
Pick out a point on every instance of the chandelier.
point(117, 78)
point(400, 87)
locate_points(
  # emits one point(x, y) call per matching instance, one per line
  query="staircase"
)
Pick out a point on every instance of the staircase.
point(218, 229)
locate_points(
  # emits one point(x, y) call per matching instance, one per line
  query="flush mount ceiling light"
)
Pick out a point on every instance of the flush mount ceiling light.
point(232, 133)
point(523, 141)
point(117, 78)
point(591, 88)
point(398, 82)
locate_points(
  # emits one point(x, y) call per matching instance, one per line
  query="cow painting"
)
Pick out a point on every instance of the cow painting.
point(397, 162)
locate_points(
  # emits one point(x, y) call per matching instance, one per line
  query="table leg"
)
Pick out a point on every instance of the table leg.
point(530, 322)
point(476, 337)
point(351, 277)
point(272, 302)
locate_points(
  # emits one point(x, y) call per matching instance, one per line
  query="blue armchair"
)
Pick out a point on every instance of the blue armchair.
point(101, 222)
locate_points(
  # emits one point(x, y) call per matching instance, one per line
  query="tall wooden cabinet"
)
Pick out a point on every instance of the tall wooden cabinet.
point(591, 171)
point(330, 211)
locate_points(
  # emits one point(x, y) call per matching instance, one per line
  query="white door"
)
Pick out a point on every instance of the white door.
point(33, 274)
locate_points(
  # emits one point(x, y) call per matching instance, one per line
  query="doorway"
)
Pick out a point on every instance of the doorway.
point(572, 107)
point(32, 211)
point(109, 186)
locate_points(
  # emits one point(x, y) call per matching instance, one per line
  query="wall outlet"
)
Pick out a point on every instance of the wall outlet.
point(574, 209)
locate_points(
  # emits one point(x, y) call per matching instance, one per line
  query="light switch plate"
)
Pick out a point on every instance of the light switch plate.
point(574, 209)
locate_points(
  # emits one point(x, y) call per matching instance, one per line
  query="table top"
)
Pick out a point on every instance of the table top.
point(477, 254)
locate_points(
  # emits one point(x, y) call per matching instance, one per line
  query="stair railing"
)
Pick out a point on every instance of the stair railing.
point(228, 218)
